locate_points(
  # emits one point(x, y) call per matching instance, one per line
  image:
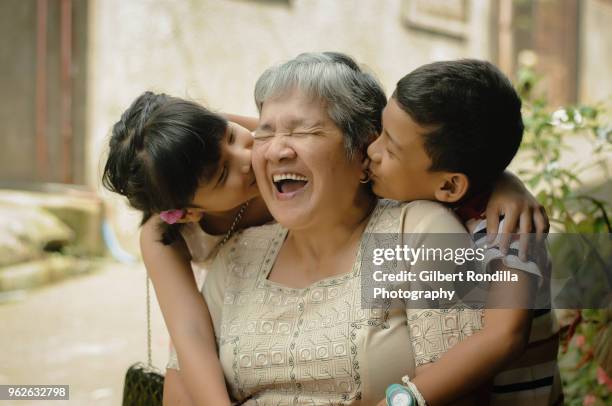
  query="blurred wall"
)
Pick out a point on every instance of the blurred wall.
point(595, 51)
point(57, 152)
point(213, 51)
point(18, 27)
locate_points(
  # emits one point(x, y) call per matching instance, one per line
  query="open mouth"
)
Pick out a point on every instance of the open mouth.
point(289, 183)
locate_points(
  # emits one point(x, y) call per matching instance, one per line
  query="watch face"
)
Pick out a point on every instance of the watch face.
point(401, 399)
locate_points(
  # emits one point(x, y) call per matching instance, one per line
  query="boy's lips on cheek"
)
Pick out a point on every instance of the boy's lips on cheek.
point(371, 172)
point(375, 177)
point(375, 182)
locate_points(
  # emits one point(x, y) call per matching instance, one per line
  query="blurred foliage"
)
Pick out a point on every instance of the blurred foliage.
point(585, 347)
point(585, 355)
point(545, 140)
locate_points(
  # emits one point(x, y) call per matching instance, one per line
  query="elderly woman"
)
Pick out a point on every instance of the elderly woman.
point(296, 281)
point(285, 298)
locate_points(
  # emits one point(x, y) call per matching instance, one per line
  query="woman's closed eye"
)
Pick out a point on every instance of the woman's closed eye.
point(265, 135)
point(260, 135)
point(305, 133)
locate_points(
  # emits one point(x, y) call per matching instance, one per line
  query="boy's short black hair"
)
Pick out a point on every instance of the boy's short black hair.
point(474, 113)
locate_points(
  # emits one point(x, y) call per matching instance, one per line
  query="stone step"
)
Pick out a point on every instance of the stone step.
point(76, 206)
point(50, 268)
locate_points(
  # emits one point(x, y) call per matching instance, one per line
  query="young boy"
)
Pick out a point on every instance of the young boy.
point(449, 130)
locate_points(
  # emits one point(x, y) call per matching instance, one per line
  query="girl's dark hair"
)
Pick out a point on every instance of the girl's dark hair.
point(159, 151)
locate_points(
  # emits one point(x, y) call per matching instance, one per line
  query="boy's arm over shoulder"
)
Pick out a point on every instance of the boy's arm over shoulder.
point(473, 360)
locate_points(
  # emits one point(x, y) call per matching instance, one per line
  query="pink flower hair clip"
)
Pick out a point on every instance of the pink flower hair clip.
point(172, 216)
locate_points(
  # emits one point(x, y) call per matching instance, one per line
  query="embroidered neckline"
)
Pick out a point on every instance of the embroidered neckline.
point(280, 236)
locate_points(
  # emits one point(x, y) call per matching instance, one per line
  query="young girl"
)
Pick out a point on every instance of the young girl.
point(168, 153)
point(189, 171)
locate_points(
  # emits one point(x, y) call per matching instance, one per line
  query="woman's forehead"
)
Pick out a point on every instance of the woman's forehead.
point(294, 109)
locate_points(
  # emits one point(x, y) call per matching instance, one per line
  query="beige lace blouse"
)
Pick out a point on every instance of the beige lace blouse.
point(316, 345)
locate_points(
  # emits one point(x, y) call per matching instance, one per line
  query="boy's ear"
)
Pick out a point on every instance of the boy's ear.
point(453, 186)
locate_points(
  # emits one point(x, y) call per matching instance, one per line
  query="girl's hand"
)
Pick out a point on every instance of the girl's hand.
point(521, 212)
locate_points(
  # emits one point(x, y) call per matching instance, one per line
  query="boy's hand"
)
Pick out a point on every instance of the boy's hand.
point(521, 212)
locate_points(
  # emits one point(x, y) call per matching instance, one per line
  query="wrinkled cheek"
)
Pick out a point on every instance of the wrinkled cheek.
point(258, 163)
point(260, 177)
point(257, 153)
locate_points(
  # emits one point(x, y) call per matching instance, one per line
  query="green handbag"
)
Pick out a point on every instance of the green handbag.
point(144, 384)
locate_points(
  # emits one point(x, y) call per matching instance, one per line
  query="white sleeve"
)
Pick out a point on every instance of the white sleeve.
point(201, 245)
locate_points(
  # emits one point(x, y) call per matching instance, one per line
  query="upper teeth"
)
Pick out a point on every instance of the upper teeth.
point(292, 176)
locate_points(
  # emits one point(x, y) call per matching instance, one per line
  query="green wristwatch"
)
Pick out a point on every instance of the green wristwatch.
point(398, 395)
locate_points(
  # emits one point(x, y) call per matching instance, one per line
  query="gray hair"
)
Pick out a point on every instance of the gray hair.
point(354, 98)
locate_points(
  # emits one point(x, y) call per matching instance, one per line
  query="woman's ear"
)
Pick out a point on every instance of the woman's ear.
point(365, 169)
point(365, 163)
point(452, 188)
point(364, 153)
